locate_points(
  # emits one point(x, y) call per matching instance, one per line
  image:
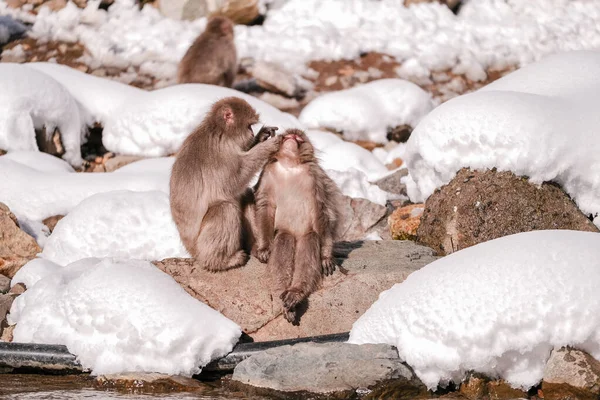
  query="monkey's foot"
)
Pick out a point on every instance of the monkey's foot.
point(292, 297)
point(263, 255)
point(290, 316)
point(328, 265)
point(239, 259)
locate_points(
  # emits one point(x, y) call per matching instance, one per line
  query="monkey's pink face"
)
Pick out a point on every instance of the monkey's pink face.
point(291, 143)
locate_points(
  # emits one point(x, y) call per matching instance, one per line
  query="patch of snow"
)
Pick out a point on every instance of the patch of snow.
point(365, 112)
point(122, 315)
point(355, 184)
point(120, 224)
point(540, 121)
point(37, 269)
point(485, 34)
point(38, 195)
point(158, 165)
point(159, 122)
point(30, 100)
point(101, 98)
point(497, 308)
point(35, 229)
point(39, 161)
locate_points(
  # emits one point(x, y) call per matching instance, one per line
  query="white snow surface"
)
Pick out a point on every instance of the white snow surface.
point(122, 224)
point(121, 316)
point(497, 308)
point(38, 195)
point(30, 100)
point(485, 34)
point(540, 121)
point(159, 122)
point(37, 269)
point(100, 97)
point(39, 161)
point(365, 112)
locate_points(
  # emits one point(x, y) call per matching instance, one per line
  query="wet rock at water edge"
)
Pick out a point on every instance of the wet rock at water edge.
point(323, 368)
point(147, 383)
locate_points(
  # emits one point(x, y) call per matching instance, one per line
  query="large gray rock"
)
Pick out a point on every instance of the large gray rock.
point(243, 294)
point(322, 367)
point(392, 184)
point(477, 206)
point(571, 374)
point(360, 217)
point(16, 246)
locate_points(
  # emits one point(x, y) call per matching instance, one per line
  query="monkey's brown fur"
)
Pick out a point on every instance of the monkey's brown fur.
point(212, 57)
point(297, 217)
point(209, 183)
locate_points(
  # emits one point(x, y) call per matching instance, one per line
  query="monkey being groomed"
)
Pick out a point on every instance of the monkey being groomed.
point(209, 183)
point(212, 58)
point(297, 217)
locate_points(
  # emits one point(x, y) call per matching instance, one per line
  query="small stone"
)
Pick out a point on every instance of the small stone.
point(399, 134)
point(18, 289)
point(101, 72)
point(330, 81)
point(280, 102)
point(473, 388)
point(116, 162)
point(6, 332)
point(396, 163)
point(500, 390)
point(6, 301)
point(571, 374)
point(405, 221)
point(274, 79)
point(392, 183)
point(140, 382)
point(62, 48)
point(4, 284)
point(51, 222)
point(323, 367)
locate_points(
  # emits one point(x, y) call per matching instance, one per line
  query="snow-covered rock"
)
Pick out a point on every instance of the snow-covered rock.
point(101, 98)
point(39, 161)
point(32, 100)
point(121, 316)
point(159, 122)
point(367, 111)
point(540, 121)
point(498, 308)
point(121, 224)
point(38, 195)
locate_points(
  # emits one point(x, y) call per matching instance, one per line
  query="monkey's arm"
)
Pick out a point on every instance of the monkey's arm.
point(326, 193)
point(265, 133)
point(265, 223)
point(255, 158)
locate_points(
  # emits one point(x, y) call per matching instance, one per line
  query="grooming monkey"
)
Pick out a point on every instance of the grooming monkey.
point(212, 57)
point(297, 217)
point(209, 183)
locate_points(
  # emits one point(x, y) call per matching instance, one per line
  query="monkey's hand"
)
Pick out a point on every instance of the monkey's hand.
point(263, 254)
point(328, 265)
point(265, 133)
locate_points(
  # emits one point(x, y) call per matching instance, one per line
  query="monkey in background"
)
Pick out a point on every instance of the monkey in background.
point(212, 57)
point(209, 183)
point(297, 218)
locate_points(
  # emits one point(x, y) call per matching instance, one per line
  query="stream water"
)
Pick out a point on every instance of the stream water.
point(45, 387)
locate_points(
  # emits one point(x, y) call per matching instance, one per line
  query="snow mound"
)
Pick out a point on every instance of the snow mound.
point(122, 315)
point(36, 195)
point(497, 308)
point(121, 224)
point(157, 124)
point(365, 112)
point(102, 98)
point(354, 183)
point(31, 100)
point(541, 122)
point(37, 269)
point(158, 165)
point(39, 161)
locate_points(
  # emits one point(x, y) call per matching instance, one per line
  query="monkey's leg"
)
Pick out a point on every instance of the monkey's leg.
point(219, 243)
point(307, 271)
point(281, 263)
point(249, 228)
point(265, 221)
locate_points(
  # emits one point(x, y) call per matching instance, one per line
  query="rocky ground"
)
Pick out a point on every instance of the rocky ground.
point(474, 207)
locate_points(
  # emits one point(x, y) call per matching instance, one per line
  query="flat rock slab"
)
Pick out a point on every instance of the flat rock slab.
point(322, 367)
point(146, 382)
point(243, 294)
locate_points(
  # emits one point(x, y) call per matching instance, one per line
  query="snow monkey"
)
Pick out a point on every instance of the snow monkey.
point(209, 183)
point(212, 57)
point(297, 216)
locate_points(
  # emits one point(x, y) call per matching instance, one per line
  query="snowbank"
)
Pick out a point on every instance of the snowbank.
point(486, 33)
point(497, 308)
point(541, 122)
point(39, 161)
point(122, 315)
point(365, 112)
point(121, 224)
point(159, 122)
point(100, 97)
point(37, 195)
point(158, 165)
point(30, 100)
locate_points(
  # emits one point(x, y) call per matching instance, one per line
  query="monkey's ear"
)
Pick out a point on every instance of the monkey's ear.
point(228, 116)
